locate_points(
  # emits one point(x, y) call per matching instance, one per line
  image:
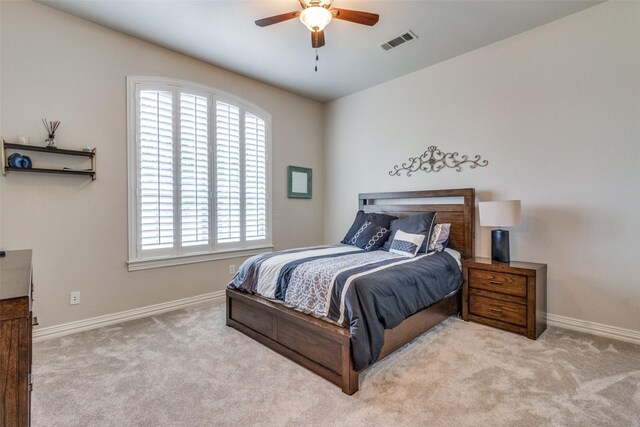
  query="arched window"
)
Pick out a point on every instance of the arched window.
point(199, 174)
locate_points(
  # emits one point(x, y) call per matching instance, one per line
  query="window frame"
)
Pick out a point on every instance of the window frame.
point(179, 254)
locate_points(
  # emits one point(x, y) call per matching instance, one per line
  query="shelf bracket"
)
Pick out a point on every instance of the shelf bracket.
point(4, 158)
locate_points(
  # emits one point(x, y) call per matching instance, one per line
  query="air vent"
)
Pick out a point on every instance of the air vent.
point(401, 39)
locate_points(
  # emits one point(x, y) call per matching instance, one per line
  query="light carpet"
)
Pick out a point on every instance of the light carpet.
point(186, 368)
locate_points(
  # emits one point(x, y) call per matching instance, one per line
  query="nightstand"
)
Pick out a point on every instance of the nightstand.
point(510, 296)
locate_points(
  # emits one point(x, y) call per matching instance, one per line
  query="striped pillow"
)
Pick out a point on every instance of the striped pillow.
point(439, 237)
point(406, 244)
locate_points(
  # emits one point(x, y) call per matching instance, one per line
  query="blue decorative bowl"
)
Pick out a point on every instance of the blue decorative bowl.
point(15, 160)
point(26, 162)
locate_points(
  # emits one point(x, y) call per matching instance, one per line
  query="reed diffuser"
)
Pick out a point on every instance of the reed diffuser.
point(51, 128)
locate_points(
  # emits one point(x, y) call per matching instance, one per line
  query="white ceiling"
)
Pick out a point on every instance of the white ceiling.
point(223, 33)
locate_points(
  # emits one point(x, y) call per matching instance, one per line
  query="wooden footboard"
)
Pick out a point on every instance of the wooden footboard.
point(320, 346)
point(419, 323)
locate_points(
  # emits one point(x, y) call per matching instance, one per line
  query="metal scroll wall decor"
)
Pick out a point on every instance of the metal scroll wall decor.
point(434, 160)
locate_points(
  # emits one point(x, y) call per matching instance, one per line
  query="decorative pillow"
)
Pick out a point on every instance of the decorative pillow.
point(377, 218)
point(406, 244)
point(357, 223)
point(439, 237)
point(370, 236)
point(383, 220)
point(420, 223)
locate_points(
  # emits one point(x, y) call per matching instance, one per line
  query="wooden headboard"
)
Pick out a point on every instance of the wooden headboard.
point(459, 215)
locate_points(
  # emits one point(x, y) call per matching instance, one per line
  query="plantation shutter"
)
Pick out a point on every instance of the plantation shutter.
point(228, 173)
point(199, 174)
point(194, 169)
point(156, 170)
point(255, 178)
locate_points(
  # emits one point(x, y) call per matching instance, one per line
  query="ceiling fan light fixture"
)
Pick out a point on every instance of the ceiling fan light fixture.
point(315, 18)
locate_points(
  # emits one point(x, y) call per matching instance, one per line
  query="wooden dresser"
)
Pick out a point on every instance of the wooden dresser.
point(510, 296)
point(15, 338)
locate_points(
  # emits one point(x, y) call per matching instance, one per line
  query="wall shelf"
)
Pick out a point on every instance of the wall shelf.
point(55, 151)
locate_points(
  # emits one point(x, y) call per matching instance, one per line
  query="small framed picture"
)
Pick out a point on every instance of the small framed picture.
point(299, 182)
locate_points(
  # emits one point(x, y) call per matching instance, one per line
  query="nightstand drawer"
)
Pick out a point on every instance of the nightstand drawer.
point(503, 283)
point(500, 310)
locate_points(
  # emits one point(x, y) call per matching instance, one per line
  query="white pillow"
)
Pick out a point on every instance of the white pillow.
point(406, 244)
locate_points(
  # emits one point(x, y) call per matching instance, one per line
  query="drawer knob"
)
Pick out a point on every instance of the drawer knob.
point(493, 282)
point(495, 310)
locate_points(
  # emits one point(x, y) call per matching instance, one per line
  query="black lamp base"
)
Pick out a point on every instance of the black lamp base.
point(500, 245)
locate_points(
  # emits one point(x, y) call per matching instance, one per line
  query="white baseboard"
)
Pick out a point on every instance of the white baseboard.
point(56, 331)
point(49, 332)
point(593, 328)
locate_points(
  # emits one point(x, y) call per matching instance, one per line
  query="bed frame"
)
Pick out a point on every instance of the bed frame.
point(324, 347)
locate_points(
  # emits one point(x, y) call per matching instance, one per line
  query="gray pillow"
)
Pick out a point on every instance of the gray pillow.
point(382, 220)
point(357, 223)
point(420, 223)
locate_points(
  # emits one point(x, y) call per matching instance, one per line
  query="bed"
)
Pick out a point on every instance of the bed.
point(328, 348)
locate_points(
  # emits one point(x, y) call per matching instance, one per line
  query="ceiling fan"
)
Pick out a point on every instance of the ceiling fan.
point(316, 15)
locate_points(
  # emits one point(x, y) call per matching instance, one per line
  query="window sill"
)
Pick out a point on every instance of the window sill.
point(191, 259)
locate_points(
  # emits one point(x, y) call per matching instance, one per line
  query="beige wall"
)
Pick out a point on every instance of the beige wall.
point(556, 111)
point(63, 68)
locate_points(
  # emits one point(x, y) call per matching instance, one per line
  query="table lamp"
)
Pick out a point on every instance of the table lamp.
point(500, 214)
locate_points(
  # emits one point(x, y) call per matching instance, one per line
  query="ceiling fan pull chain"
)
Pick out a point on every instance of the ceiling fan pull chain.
point(316, 61)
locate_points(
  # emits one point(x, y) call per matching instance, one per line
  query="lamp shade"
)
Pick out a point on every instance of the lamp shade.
point(500, 214)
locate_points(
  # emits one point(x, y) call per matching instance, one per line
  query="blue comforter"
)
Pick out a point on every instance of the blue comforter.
point(366, 292)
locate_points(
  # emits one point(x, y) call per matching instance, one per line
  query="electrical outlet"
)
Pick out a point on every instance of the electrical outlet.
point(74, 298)
point(232, 269)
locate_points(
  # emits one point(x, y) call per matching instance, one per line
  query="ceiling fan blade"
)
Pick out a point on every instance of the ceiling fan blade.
point(277, 18)
point(317, 39)
point(364, 18)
